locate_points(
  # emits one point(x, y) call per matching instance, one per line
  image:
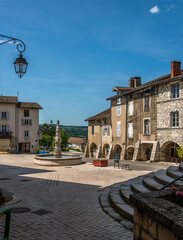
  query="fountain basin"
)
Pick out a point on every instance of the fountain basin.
point(51, 160)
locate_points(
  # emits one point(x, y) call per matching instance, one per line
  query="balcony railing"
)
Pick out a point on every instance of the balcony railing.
point(5, 134)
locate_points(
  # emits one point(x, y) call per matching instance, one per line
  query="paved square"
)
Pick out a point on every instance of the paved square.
point(70, 195)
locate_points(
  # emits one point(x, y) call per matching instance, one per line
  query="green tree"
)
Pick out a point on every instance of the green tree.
point(48, 129)
point(180, 152)
point(46, 140)
point(65, 138)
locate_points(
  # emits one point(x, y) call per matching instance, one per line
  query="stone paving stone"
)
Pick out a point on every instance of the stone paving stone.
point(70, 194)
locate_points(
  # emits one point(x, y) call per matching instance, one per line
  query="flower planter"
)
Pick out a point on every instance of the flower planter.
point(100, 163)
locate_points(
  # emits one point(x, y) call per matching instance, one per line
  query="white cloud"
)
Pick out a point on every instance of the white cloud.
point(154, 10)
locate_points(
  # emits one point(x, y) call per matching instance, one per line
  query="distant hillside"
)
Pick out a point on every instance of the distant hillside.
point(74, 131)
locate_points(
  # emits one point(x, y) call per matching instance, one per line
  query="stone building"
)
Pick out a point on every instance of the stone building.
point(19, 125)
point(147, 119)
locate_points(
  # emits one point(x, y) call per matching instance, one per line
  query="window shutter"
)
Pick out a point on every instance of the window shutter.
point(0, 115)
point(7, 115)
point(0, 128)
point(130, 130)
point(22, 122)
point(118, 129)
point(7, 128)
point(30, 122)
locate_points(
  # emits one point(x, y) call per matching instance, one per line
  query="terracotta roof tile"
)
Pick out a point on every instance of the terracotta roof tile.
point(7, 99)
point(29, 105)
point(100, 115)
point(75, 140)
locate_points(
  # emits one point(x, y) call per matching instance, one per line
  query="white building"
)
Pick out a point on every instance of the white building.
point(19, 125)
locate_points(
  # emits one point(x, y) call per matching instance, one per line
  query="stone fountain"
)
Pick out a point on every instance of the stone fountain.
point(58, 140)
point(57, 159)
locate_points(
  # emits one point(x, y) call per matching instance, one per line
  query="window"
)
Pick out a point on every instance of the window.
point(147, 127)
point(108, 131)
point(175, 90)
point(104, 130)
point(26, 133)
point(118, 110)
point(26, 122)
point(118, 129)
point(130, 108)
point(93, 129)
point(130, 130)
point(5, 129)
point(26, 113)
point(4, 115)
point(146, 103)
point(174, 119)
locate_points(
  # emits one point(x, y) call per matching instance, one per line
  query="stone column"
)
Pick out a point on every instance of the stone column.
point(58, 140)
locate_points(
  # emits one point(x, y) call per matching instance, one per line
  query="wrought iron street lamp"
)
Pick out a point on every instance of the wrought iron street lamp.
point(20, 63)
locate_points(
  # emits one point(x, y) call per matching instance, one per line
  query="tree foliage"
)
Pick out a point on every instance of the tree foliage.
point(65, 139)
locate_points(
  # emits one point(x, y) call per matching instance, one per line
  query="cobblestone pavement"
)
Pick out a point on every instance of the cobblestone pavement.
point(63, 201)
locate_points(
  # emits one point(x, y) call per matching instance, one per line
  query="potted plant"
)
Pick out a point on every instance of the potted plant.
point(100, 162)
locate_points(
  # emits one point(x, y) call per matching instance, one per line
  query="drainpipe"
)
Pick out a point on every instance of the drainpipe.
point(126, 125)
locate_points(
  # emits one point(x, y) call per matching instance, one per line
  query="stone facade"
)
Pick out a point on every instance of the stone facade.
point(147, 119)
point(19, 125)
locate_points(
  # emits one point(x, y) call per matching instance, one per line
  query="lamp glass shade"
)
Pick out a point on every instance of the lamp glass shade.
point(20, 65)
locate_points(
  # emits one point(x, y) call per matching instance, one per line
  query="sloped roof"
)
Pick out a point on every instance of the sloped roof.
point(100, 115)
point(7, 99)
point(75, 140)
point(116, 89)
point(29, 105)
point(156, 81)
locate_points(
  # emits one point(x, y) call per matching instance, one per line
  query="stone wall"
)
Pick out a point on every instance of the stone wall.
point(156, 218)
point(166, 105)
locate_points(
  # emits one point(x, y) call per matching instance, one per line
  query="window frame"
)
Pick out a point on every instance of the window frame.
point(146, 108)
point(26, 133)
point(26, 113)
point(174, 119)
point(175, 92)
point(93, 129)
point(144, 127)
point(118, 129)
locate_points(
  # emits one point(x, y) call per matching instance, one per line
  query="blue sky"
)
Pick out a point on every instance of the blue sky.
point(78, 50)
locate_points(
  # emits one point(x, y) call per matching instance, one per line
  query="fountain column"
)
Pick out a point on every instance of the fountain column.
point(58, 140)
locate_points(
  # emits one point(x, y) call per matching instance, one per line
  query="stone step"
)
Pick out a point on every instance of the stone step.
point(162, 178)
point(174, 172)
point(120, 206)
point(138, 187)
point(151, 183)
point(107, 208)
point(125, 192)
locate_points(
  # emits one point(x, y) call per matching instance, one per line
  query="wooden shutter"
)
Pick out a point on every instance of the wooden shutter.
point(30, 122)
point(22, 121)
point(7, 115)
point(7, 128)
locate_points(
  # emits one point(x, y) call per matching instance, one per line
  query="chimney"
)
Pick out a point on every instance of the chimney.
point(175, 68)
point(137, 81)
point(131, 82)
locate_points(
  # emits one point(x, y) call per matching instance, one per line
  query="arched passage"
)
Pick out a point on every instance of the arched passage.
point(93, 149)
point(117, 149)
point(129, 153)
point(169, 151)
point(106, 149)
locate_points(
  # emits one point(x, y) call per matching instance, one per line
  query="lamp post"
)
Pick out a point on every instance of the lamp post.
point(20, 63)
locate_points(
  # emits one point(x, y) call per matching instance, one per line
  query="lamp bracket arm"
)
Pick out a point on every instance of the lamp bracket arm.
point(20, 44)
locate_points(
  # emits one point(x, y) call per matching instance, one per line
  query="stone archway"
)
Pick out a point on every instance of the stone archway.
point(93, 149)
point(117, 149)
point(169, 151)
point(106, 149)
point(129, 153)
